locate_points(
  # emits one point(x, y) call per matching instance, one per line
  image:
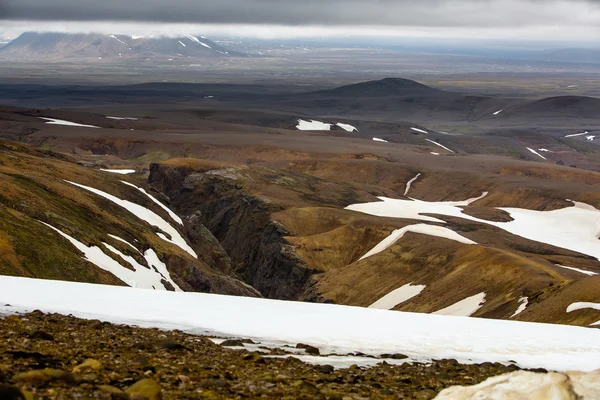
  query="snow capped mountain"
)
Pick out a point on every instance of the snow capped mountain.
point(56, 46)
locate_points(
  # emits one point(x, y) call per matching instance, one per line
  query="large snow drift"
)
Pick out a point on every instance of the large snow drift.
point(331, 327)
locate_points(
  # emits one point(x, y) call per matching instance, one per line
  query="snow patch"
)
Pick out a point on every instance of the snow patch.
point(419, 130)
point(409, 183)
point(398, 296)
point(464, 308)
point(330, 327)
point(312, 125)
point(590, 138)
point(536, 153)
point(439, 144)
point(146, 215)
point(498, 112)
point(584, 306)
point(53, 121)
point(524, 301)
point(181, 43)
point(193, 38)
point(573, 228)
point(431, 230)
point(347, 127)
point(583, 271)
point(376, 139)
point(545, 150)
point(435, 154)
point(123, 118)
point(119, 171)
point(142, 277)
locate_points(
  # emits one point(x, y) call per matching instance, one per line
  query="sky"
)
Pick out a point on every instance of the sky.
point(570, 20)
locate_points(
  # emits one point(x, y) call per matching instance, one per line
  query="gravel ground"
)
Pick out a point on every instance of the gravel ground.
point(48, 356)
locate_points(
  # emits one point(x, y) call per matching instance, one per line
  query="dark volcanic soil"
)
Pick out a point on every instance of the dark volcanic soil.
point(57, 357)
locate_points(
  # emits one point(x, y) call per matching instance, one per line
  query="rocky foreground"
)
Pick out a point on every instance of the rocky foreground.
point(48, 356)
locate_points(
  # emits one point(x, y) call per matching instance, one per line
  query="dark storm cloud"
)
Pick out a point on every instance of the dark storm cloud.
point(475, 13)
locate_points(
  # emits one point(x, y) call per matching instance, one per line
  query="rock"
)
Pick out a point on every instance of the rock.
point(115, 393)
point(232, 343)
point(167, 345)
point(43, 376)
point(396, 356)
point(525, 385)
point(89, 364)
point(9, 392)
point(313, 351)
point(41, 335)
point(145, 389)
point(325, 369)
point(254, 357)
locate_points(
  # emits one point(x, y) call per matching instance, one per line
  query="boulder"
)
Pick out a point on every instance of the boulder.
point(526, 385)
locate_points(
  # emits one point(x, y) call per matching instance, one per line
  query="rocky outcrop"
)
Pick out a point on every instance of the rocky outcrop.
point(241, 222)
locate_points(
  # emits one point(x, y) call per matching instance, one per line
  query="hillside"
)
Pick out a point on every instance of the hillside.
point(383, 87)
point(64, 46)
point(51, 228)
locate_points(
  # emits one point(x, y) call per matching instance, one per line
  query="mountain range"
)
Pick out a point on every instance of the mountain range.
point(65, 46)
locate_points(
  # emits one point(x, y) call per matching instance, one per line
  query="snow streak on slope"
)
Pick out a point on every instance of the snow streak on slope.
point(498, 112)
point(146, 215)
point(439, 144)
point(583, 306)
point(119, 171)
point(464, 308)
point(124, 241)
point(583, 271)
point(425, 229)
point(409, 183)
point(536, 153)
point(174, 216)
point(577, 134)
point(330, 327)
point(375, 139)
point(53, 121)
point(122, 118)
point(419, 130)
point(573, 228)
point(398, 296)
point(312, 125)
point(524, 301)
point(347, 127)
point(142, 277)
point(117, 39)
point(181, 43)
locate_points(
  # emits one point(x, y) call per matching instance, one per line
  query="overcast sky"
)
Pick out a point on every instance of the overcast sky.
point(530, 19)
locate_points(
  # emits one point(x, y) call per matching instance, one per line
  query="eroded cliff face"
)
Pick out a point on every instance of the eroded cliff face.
point(254, 245)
